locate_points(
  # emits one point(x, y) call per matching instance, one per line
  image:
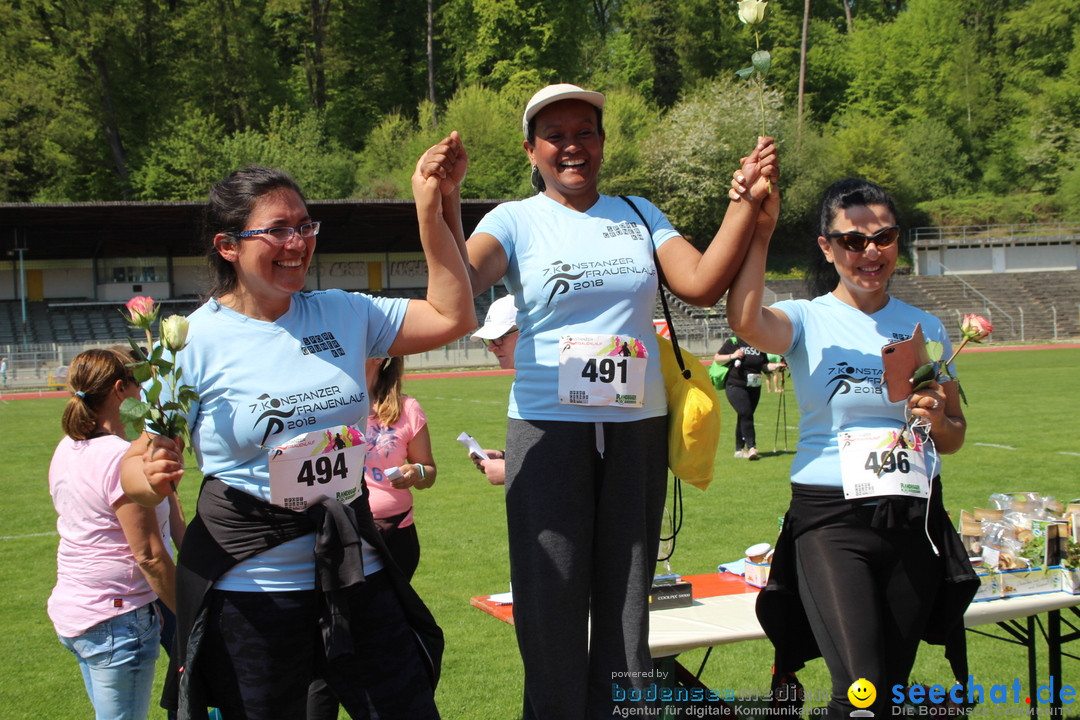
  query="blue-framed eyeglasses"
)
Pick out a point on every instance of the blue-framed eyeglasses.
point(284, 233)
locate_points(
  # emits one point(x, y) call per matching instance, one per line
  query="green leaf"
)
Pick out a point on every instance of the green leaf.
point(762, 61)
point(745, 73)
point(164, 366)
point(133, 411)
point(934, 350)
point(961, 389)
point(923, 376)
point(153, 393)
point(141, 372)
point(138, 350)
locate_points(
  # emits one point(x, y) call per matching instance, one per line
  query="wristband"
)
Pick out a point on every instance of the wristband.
point(420, 467)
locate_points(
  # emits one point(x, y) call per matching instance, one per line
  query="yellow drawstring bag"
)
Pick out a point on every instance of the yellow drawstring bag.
point(693, 416)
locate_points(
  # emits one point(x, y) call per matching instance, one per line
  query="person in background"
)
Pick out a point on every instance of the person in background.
point(283, 574)
point(3, 371)
point(746, 367)
point(397, 437)
point(499, 333)
point(112, 563)
point(584, 270)
point(860, 580)
point(774, 379)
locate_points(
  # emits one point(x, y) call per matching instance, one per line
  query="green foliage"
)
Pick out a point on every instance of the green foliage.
point(919, 169)
point(184, 160)
point(628, 120)
point(490, 126)
point(695, 148)
point(495, 41)
point(109, 100)
point(985, 210)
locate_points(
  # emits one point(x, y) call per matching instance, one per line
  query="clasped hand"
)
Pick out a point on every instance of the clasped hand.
point(447, 161)
point(163, 464)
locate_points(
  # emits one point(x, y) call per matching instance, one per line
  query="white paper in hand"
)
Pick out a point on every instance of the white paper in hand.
point(472, 446)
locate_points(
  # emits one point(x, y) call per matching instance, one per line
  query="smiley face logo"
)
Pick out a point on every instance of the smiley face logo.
point(862, 693)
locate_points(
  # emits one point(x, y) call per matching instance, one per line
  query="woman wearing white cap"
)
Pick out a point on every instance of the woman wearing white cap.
point(586, 471)
point(499, 331)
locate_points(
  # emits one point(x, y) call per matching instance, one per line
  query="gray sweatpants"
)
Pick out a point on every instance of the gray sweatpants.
point(584, 532)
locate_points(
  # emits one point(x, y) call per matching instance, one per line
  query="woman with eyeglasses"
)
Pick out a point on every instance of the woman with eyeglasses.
point(112, 562)
point(586, 450)
point(867, 562)
point(283, 576)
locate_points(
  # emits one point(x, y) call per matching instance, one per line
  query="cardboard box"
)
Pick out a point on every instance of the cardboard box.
point(1070, 579)
point(990, 587)
point(756, 574)
point(1034, 581)
point(671, 595)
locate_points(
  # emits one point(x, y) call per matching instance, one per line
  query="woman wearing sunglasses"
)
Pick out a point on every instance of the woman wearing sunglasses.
point(867, 562)
point(282, 575)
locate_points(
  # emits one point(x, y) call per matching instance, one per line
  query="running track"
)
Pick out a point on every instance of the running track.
point(489, 373)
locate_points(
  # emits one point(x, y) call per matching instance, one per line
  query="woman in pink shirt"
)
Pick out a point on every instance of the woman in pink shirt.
point(112, 562)
point(397, 438)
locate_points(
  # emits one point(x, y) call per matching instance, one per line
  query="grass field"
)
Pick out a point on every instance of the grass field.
point(1022, 435)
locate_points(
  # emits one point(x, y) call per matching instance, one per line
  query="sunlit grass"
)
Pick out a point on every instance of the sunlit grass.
point(1020, 400)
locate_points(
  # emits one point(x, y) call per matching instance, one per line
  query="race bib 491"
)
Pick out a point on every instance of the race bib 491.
point(597, 370)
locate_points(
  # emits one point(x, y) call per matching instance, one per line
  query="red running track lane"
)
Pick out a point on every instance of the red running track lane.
point(488, 373)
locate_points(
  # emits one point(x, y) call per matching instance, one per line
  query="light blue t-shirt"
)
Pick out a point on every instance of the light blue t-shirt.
point(262, 383)
point(571, 273)
point(835, 364)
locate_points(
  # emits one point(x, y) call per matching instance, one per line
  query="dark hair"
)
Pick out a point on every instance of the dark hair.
point(231, 203)
point(821, 275)
point(535, 179)
point(91, 377)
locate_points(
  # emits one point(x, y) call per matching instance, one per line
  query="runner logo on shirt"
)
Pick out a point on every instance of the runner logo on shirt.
point(564, 277)
point(560, 279)
point(846, 378)
point(297, 411)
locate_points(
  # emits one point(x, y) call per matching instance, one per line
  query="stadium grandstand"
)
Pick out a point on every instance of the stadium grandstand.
point(67, 270)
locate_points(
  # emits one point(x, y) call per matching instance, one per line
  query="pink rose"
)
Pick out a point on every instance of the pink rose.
point(142, 311)
point(975, 327)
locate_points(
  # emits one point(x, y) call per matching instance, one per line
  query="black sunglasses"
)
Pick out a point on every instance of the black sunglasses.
point(857, 241)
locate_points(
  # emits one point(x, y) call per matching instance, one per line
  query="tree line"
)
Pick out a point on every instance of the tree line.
point(967, 110)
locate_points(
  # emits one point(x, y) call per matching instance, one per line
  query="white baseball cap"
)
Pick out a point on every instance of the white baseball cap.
point(500, 319)
point(555, 93)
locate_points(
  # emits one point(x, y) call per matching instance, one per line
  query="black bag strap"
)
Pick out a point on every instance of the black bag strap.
point(663, 296)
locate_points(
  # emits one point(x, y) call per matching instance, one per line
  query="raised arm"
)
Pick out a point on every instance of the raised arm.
point(447, 313)
point(761, 327)
point(484, 257)
point(703, 278)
